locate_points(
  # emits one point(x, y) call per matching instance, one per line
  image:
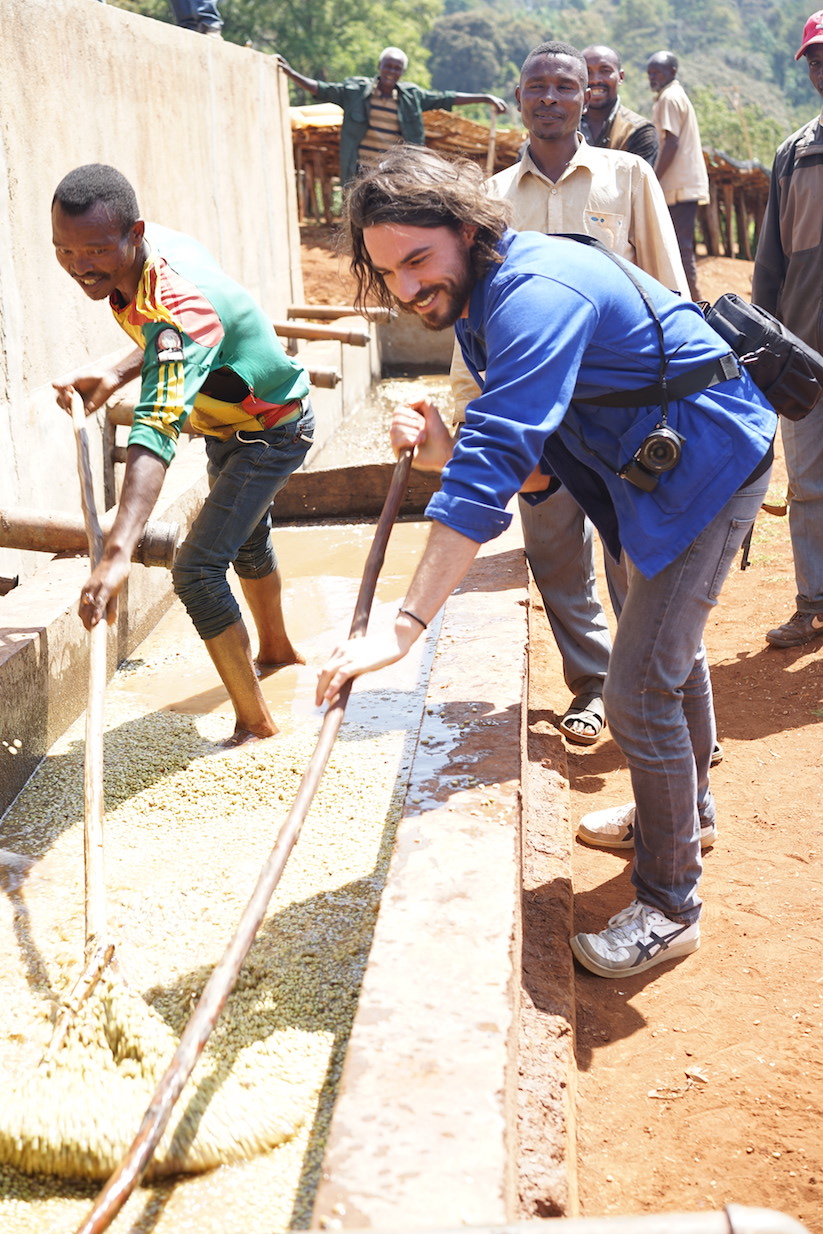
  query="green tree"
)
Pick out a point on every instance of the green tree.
point(739, 129)
point(464, 53)
point(640, 28)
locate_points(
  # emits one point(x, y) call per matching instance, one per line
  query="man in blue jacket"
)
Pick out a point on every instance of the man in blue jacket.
point(379, 112)
point(634, 402)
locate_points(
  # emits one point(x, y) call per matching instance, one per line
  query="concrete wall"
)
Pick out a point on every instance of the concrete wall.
point(200, 127)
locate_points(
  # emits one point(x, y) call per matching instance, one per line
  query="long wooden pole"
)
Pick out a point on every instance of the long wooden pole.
point(490, 153)
point(93, 758)
point(221, 982)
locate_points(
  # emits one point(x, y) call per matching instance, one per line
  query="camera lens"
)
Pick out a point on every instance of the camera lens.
point(660, 451)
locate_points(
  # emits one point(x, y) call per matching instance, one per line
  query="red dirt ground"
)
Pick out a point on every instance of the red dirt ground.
point(700, 1083)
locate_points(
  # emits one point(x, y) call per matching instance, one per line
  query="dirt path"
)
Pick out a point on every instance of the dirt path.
point(701, 1084)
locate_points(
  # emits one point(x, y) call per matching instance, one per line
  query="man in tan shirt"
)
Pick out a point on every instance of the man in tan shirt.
point(561, 185)
point(607, 122)
point(681, 168)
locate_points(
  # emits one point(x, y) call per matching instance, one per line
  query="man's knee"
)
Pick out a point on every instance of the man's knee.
point(205, 594)
point(255, 558)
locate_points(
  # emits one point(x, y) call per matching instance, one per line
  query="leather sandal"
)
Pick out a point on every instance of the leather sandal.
point(586, 709)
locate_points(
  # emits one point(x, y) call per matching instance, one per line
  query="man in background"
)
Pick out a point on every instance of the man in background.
point(788, 282)
point(380, 112)
point(561, 184)
point(606, 121)
point(680, 167)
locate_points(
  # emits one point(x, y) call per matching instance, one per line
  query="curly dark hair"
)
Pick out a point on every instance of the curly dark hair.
point(82, 188)
point(415, 187)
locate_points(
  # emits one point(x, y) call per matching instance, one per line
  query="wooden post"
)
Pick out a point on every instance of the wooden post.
point(728, 203)
point(742, 215)
point(711, 216)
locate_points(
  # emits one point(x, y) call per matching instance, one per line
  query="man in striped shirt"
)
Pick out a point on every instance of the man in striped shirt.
point(380, 112)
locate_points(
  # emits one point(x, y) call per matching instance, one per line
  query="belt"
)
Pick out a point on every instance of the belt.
point(274, 415)
point(710, 374)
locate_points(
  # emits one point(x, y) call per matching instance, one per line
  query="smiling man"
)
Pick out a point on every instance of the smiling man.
point(579, 376)
point(788, 281)
point(382, 111)
point(562, 184)
point(606, 121)
point(205, 350)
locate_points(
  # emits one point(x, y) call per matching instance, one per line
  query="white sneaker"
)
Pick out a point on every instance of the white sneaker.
point(614, 828)
point(635, 939)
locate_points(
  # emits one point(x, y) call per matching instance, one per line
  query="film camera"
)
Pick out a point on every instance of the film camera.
point(659, 452)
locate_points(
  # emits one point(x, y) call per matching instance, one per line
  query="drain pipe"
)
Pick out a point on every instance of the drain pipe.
point(41, 531)
point(289, 330)
point(331, 312)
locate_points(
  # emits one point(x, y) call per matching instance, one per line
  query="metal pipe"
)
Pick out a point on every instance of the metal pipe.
point(355, 338)
point(41, 531)
point(325, 378)
point(331, 312)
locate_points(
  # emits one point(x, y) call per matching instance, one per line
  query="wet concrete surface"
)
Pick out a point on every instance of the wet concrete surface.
point(403, 1152)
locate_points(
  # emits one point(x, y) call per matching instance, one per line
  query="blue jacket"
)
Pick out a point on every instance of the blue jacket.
point(557, 321)
point(354, 95)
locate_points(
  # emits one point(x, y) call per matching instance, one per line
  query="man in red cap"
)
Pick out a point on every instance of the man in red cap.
point(788, 281)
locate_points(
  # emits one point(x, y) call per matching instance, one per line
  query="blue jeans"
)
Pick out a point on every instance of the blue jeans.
point(559, 543)
point(197, 14)
point(803, 448)
point(245, 474)
point(658, 702)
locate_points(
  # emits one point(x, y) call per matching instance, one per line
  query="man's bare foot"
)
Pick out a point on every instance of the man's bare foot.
point(265, 668)
point(240, 738)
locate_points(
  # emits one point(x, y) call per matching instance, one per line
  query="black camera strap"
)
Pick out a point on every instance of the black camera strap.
point(724, 368)
point(661, 390)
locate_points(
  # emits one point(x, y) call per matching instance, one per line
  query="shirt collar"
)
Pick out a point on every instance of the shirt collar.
point(609, 121)
point(581, 158)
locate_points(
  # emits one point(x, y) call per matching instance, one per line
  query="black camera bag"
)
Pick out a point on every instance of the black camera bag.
point(787, 370)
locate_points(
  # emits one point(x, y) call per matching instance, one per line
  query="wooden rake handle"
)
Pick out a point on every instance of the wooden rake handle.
point(490, 151)
point(221, 982)
point(93, 757)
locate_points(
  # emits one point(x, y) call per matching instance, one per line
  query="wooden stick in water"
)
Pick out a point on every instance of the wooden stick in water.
point(221, 982)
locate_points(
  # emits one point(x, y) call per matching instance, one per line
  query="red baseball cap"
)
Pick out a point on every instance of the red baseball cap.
point(812, 32)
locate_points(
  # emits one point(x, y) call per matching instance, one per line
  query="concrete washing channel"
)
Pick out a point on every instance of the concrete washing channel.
point(424, 1112)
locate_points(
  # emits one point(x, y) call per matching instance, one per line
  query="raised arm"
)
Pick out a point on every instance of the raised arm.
point(463, 100)
point(308, 83)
